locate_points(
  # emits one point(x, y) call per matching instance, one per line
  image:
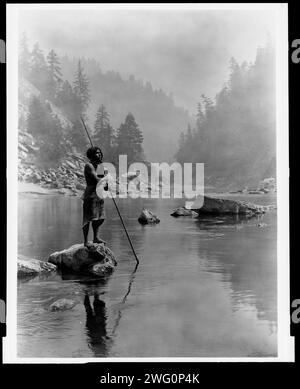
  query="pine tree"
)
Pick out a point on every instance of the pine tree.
point(77, 136)
point(207, 103)
point(38, 68)
point(68, 101)
point(24, 57)
point(180, 154)
point(199, 116)
point(71, 104)
point(181, 139)
point(55, 74)
point(47, 131)
point(103, 135)
point(52, 146)
point(38, 118)
point(189, 133)
point(130, 139)
point(81, 87)
point(54, 66)
point(235, 74)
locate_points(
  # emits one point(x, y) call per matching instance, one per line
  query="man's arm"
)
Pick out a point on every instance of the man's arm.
point(91, 173)
point(104, 180)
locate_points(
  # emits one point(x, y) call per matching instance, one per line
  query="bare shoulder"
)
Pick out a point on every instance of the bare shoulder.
point(89, 167)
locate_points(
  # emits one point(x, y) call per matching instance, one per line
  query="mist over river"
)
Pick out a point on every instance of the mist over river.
point(205, 287)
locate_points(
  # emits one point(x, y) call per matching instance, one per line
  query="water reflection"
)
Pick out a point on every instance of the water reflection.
point(99, 340)
point(245, 257)
point(119, 316)
point(96, 318)
point(205, 287)
point(208, 221)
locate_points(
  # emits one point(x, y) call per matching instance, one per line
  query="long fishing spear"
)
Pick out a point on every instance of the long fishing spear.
point(114, 201)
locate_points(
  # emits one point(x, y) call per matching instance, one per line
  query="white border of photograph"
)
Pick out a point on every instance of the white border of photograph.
point(285, 341)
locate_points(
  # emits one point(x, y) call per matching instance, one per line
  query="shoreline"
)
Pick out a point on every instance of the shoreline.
point(28, 189)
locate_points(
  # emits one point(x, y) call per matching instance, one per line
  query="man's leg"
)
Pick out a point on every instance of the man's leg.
point(96, 224)
point(85, 230)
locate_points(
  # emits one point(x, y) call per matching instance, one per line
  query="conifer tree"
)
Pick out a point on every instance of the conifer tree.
point(46, 129)
point(103, 134)
point(199, 116)
point(24, 57)
point(39, 75)
point(77, 136)
point(130, 139)
point(81, 87)
point(76, 103)
point(55, 74)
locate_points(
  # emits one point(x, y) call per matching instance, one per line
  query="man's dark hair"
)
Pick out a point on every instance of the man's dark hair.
point(91, 152)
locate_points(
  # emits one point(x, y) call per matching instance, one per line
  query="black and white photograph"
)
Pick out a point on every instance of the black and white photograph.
point(148, 202)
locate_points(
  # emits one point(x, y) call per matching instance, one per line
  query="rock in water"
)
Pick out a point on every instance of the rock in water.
point(30, 266)
point(62, 305)
point(182, 211)
point(262, 225)
point(96, 259)
point(148, 217)
point(213, 206)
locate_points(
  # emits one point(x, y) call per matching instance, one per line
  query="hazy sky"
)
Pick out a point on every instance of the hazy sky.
point(185, 52)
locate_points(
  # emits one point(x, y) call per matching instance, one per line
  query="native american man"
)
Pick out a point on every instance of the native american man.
point(93, 206)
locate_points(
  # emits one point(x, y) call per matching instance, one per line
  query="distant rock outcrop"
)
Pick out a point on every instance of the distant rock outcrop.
point(215, 206)
point(148, 217)
point(31, 267)
point(96, 259)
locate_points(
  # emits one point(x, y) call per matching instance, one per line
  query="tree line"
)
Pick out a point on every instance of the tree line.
point(73, 99)
point(235, 135)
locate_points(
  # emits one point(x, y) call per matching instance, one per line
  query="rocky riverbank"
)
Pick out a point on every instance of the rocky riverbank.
point(66, 177)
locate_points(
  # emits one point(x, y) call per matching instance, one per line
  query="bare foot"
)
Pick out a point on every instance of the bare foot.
point(88, 244)
point(98, 240)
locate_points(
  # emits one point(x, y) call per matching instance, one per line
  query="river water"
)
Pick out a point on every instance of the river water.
point(204, 287)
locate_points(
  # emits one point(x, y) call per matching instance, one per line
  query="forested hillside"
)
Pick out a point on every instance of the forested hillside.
point(235, 135)
point(78, 87)
point(160, 120)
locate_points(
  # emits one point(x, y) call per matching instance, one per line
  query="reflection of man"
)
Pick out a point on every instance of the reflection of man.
point(96, 324)
point(93, 206)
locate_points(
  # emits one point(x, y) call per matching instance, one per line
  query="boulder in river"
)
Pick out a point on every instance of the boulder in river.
point(30, 267)
point(62, 305)
point(148, 217)
point(261, 225)
point(96, 259)
point(215, 206)
point(182, 211)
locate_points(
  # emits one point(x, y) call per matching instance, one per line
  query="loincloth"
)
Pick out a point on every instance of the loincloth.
point(93, 208)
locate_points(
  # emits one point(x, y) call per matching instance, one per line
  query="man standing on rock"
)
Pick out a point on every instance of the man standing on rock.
point(93, 206)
